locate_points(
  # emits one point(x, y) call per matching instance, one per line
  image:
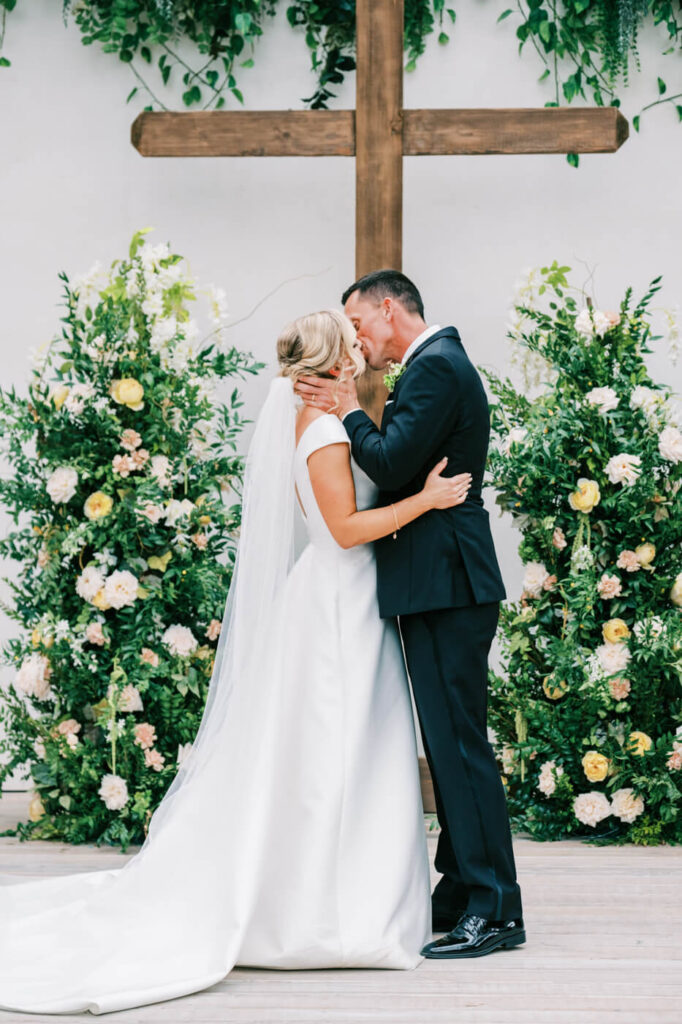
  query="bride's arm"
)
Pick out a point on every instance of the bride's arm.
point(332, 482)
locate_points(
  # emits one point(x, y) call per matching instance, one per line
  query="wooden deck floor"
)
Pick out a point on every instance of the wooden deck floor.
point(604, 945)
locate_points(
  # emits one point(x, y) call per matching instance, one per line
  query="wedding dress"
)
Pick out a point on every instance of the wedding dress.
point(293, 835)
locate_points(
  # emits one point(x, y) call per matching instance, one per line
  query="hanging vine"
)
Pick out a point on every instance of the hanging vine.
point(587, 47)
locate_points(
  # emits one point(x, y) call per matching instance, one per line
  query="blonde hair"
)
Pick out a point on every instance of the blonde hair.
point(316, 343)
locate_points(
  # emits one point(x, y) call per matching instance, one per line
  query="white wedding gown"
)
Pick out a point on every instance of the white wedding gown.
point(299, 840)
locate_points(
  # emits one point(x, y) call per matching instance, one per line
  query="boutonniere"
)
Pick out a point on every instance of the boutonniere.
point(395, 372)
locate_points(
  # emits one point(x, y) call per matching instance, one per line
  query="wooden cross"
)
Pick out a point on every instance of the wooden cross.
point(379, 133)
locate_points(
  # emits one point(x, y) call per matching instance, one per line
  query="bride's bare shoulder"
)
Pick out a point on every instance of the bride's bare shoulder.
point(304, 418)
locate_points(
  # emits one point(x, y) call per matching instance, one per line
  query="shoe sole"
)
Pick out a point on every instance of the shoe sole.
point(510, 943)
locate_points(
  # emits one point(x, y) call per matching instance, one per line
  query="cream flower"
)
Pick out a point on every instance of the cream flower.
point(613, 658)
point(213, 629)
point(586, 497)
point(626, 805)
point(534, 578)
point(515, 436)
point(591, 808)
point(645, 399)
point(128, 391)
point(149, 657)
point(120, 589)
point(609, 587)
point(145, 735)
point(130, 440)
point(629, 561)
point(150, 511)
point(90, 581)
point(615, 631)
point(639, 743)
point(623, 469)
point(114, 792)
point(605, 399)
point(62, 483)
point(670, 444)
point(98, 505)
point(77, 398)
point(129, 699)
point(33, 677)
point(39, 748)
point(59, 394)
point(180, 641)
point(595, 766)
point(154, 759)
point(159, 469)
point(549, 773)
point(645, 553)
point(36, 808)
point(583, 323)
point(176, 510)
point(676, 591)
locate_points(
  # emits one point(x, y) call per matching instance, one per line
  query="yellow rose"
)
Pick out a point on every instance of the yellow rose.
point(37, 638)
point(204, 520)
point(586, 497)
point(595, 766)
point(639, 743)
point(553, 689)
point(645, 554)
point(100, 600)
point(35, 808)
point(59, 395)
point(128, 391)
point(676, 591)
point(615, 631)
point(160, 562)
point(98, 505)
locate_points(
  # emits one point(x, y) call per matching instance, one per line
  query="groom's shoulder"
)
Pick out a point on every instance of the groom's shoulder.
point(445, 344)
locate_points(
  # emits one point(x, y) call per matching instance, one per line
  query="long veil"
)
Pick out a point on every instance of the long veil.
point(171, 921)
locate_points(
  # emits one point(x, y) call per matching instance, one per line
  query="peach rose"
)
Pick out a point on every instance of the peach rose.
point(149, 656)
point(154, 759)
point(94, 634)
point(559, 539)
point(213, 629)
point(145, 735)
point(609, 587)
point(201, 540)
point(619, 688)
point(130, 440)
point(629, 561)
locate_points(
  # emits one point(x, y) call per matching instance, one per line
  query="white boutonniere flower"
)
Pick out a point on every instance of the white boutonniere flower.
point(391, 378)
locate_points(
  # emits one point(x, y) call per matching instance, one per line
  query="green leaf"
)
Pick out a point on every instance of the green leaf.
point(573, 159)
point(5, 63)
point(443, 38)
point(505, 14)
point(635, 122)
point(65, 801)
point(661, 86)
point(131, 94)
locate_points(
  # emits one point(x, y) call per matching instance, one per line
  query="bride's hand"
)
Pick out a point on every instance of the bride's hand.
point(445, 492)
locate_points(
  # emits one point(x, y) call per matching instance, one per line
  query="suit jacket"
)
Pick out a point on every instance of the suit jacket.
point(446, 558)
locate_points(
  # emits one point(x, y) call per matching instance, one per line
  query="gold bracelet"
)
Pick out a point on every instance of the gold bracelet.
point(395, 520)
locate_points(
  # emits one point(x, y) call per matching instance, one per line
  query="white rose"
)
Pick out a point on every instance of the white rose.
point(613, 657)
point(591, 808)
point(534, 578)
point(151, 512)
point(77, 397)
point(61, 486)
point(33, 677)
point(623, 469)
point(626, 806)
point(670, 444)
point(549, 773)
point(159, 468)
point(114, 792)
point(515, 436)
point(605, 398)
point(602, 322)
point(175, 510)
point(645, 398)
point(180, 640)
point(583, 323)
point(90, 581)
point(120, 589)
point(129, 699)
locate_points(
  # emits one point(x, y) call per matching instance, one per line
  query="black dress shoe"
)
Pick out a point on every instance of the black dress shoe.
point(446, 920)
point(476, 936)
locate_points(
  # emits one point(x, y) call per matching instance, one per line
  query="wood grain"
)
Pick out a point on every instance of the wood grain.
point(214, 133)
point(542, 130)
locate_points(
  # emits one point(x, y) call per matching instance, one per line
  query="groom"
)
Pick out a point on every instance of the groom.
point(440, 576)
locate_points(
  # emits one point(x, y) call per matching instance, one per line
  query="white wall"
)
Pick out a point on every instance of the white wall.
point(72, 189)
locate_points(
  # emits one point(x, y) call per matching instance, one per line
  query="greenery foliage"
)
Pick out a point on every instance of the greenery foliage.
point(588, 707)
point(118, 458)
point(587, 47)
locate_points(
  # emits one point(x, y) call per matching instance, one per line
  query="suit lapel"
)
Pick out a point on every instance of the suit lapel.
point(451, 332)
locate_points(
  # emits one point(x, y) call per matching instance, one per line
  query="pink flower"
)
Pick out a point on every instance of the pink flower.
point(69, 727)
point(130, 439)
point(149, 656)
point(123, 464)
point(94, 634)
point(619, 688)
point(140, 458)
point(153, 759)
point(629, 561)
point(559, 539)
point(200, 539)
point(609, 587)
point(550, 583)
point(145, 735)
point(213, 629)
point(674, 762)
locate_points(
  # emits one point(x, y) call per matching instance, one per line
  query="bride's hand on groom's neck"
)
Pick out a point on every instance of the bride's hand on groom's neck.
point(336, 396)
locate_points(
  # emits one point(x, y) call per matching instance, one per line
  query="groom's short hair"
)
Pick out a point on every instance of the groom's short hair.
point(382, 283)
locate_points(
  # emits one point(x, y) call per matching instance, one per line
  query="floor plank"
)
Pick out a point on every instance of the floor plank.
point(603, 948)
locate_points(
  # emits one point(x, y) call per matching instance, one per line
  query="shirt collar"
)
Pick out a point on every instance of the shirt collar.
point(419, 340)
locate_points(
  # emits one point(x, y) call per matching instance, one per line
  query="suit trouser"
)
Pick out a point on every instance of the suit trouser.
point(447, 658)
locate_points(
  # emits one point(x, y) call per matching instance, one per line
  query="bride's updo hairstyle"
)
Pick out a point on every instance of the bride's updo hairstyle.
point(318, 344)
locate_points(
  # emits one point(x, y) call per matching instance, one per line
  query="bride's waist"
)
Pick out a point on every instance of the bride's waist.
point(331, 554)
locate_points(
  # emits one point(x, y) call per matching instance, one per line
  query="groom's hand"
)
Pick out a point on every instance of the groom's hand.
point(336, 396)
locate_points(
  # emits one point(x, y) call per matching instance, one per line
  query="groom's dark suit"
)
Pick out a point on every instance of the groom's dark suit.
point(440, 576)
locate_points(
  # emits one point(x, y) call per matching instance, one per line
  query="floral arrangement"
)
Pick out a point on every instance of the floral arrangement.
point(587, 709)
point(120, 463)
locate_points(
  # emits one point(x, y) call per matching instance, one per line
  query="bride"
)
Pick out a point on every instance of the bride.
point(293, 835)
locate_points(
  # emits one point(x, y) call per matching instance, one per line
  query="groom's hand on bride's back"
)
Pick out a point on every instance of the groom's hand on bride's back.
point(335, 396)
point(445, 491)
